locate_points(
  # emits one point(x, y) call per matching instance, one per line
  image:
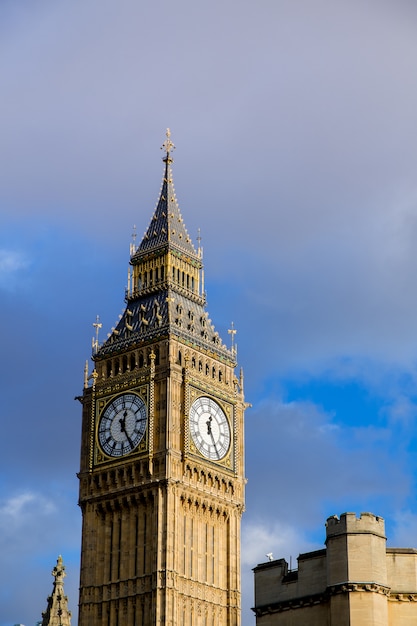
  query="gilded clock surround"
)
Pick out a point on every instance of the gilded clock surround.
point(226, 460)
point(101, 406)
point(161, 525)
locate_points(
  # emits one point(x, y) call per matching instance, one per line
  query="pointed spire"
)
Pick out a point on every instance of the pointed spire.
point(167, 225)
point(57, 613)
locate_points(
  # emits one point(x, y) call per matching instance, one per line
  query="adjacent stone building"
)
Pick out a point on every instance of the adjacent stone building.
point(355, 581)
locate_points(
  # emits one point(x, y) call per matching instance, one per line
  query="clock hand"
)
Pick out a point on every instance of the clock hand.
point(208, 424)
point(214, 443)
point(210, 432)
point(122, 422)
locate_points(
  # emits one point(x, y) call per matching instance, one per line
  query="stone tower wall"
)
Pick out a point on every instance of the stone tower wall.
point(347, 540)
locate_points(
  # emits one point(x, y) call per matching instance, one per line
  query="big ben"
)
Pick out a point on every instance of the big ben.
point(162, 450)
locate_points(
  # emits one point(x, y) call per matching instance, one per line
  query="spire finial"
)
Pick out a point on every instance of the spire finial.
point(200, 249)
point(97, 325)
point(232, 331)
point(133, 242)
point(168, 146)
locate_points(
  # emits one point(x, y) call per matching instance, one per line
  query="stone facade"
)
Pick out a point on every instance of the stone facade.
point(355, 581)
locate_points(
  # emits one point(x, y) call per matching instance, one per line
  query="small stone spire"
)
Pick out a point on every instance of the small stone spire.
point(57, 613)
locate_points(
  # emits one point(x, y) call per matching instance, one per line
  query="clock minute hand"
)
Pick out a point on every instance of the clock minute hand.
point(214, 443)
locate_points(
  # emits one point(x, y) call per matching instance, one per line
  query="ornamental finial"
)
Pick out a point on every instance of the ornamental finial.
point(168, 146)
point(232, 331)
point(97, 325)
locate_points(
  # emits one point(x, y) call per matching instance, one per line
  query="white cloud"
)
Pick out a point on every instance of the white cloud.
point(261, 537)
point(311, 457)
point(14, 506)
point(23, 510)
point(11, 261)
point(35, 527)
point(282, 539)
point(401, 411)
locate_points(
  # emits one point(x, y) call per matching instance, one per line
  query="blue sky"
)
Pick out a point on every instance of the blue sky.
point(295, 126)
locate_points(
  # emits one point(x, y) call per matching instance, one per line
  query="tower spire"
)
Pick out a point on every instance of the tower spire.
point(165, 268)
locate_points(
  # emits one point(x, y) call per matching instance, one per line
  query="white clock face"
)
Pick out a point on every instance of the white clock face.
point(209, 428)
point(122, 425)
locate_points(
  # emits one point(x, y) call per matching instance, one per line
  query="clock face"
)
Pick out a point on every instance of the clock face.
point(122, 425)
point(209, 428)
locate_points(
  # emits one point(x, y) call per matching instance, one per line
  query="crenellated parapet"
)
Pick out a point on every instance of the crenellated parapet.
point(350, 524)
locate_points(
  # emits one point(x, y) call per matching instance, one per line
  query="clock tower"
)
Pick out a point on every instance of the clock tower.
point(162, 467)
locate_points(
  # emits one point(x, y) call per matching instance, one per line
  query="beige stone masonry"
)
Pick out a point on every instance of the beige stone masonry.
point(355, 581)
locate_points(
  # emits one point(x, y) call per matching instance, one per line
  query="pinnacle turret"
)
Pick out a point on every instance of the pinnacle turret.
point(57, 613)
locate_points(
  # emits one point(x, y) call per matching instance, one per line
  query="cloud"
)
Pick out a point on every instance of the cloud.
point(402, 412)
point(264, 536)
point(11, 263)
point(14, 507)
point(36, 526)
point(261, 538)
point(20, 513)
point(311, 458)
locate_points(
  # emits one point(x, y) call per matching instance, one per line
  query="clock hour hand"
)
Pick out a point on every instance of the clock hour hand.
point(210, 432)
point(122, 422)
point(208, 424)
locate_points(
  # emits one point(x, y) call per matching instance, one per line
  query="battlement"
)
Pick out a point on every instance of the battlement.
point(349, 524)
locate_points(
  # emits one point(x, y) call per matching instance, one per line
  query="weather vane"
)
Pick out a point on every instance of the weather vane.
point(168, 146)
